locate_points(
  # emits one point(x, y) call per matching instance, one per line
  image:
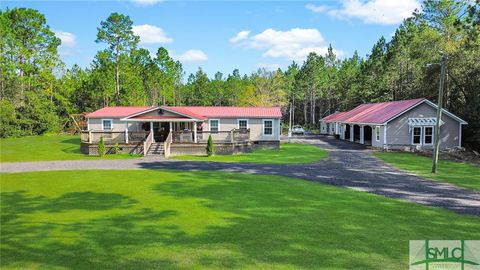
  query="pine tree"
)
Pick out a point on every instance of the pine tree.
point(101, 147)
point(210, 147)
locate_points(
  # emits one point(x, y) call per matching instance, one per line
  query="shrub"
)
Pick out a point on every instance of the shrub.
point(116, 148)
point(101, 147)
point(210, 147)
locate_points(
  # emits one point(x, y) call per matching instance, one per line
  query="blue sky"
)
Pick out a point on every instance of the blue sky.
point(221, 35)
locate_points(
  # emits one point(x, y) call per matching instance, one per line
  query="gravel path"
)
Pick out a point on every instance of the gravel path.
point(349, 165)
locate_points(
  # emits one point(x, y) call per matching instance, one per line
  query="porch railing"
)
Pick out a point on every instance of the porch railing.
point(223, 136)
point(167, 144)
point(147, 143)
point(93, 136)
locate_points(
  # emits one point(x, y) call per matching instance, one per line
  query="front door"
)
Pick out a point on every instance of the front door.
point(160, 131)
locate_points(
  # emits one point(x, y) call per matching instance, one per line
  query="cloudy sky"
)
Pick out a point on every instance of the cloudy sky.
point(223, 35)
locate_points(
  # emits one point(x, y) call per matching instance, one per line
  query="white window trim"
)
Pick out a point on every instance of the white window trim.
point(433, 135)
point(421, 135)
point(238, 123)
point(263, 127)
point(111, 123)
point(377, 138)
point(210, 124)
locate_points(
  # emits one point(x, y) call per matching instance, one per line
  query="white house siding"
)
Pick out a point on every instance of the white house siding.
point(117, 125)
point(254, 124)
point(398, 129)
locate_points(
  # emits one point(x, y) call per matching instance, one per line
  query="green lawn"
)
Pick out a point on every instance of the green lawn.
point(460, 174)
point(145, 219)
point(47, 147)
point(288, 154)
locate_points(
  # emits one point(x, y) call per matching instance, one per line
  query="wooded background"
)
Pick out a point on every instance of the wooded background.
point(38, 92)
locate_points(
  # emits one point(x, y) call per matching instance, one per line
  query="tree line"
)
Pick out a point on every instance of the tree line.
point(38, 92)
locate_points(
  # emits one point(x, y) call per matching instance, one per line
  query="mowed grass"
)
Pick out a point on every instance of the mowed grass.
point(289, 153)
point(146, 219)
point(457, 173)
point(44, 148)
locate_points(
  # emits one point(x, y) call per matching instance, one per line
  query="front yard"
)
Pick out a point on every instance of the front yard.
point(47, 147)
point(207, 220)
point(457, 173)
point(289, 153)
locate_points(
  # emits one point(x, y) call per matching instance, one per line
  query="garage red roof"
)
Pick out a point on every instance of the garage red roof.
point(332, 117)
point(117, 111)
point(376, 113)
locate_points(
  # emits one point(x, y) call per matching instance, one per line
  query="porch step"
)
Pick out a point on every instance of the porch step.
point(156, 149)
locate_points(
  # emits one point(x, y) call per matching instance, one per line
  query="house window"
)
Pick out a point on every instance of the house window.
point(428, 135)
point(106, 124)
point(417, 135)
point(377, 133)
point(267, 127)
point(243, 124)
point(214, 125)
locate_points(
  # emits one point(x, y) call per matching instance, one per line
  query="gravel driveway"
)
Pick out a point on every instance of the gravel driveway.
point(349, 165)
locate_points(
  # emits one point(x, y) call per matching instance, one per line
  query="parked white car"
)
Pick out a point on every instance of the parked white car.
point(298, 130)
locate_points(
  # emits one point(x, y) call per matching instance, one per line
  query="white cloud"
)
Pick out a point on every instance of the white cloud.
point(191, 56)
point(384, 12)
point(317, 9)
point(242, 35)
point(151, 34)
point(147, 2)
point(294, 44)
point(68, 39)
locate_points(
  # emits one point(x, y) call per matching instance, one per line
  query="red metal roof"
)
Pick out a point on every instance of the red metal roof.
point(226, 112)
point(197, 112)
point(376, 113)
point(117, 111)
point(332, 117)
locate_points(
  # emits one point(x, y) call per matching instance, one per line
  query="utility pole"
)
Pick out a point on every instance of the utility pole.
point(290, 123)
point(436, 148)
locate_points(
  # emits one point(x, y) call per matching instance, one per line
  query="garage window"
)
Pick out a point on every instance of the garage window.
point(377, 133)
point(428, 135)
point(417, 135)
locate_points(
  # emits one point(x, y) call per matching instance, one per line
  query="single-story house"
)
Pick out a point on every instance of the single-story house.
point(407, 124)
point(182, 129)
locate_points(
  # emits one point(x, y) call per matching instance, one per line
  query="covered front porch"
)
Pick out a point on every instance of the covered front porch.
point(160, 131)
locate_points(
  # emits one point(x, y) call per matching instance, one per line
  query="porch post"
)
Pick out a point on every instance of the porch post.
point(90, 136)
point(170, 124)
point(351, 133)
point(151, 125)
point(126, 132)
point(195, 132)
point(362, 135)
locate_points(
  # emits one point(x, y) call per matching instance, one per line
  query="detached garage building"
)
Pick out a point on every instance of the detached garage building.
point(402, 124)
